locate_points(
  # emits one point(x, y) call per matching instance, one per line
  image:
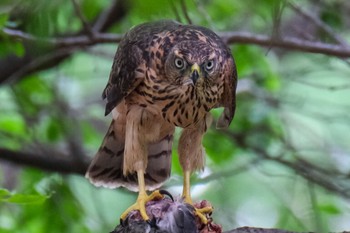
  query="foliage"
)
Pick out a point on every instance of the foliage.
point(284, 162)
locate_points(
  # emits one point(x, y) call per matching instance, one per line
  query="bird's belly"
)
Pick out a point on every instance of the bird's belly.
point(184, 114)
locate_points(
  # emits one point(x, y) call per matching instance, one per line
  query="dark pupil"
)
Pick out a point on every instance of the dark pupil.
point(209, 65)
point(179, 63)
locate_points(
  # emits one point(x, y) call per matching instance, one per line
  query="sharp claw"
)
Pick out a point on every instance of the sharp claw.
point(164, 192)
point(152, 222)
point(124, 222)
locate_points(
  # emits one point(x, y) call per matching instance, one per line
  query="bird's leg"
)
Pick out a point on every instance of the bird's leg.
point(141, 128)
point(186, 195)
point(142, 198)
point(191, 154)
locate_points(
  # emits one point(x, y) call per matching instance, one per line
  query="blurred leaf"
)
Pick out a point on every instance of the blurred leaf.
point(33, 94)
point(330, 208)
point(3, 19)
point(218, 154)
point(331, 16)
point(4, 194)
point(54, 130)
point(7, 196)
point(90, 8)
point(26, 199)
point(11, 48)
point(13, 124)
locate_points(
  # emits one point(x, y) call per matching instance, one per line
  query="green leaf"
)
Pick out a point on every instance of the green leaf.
point(4, 194)
point(24, 199)
point(3, 20)
point(54, 130)
point(12, 124)
point(11, 47)
point(330, 209)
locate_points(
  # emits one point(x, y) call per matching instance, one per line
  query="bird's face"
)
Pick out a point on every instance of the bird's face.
point(192, 63)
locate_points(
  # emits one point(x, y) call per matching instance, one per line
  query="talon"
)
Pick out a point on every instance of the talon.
point(152, 222)
point(201, 213)
point(121, 222)
point(164, 192)
point(140, 205)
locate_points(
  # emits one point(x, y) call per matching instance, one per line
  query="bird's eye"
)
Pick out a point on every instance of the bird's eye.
point(179, 63)
point(209, 65)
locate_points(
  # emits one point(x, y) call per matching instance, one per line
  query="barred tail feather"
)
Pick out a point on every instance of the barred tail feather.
point(106, 169)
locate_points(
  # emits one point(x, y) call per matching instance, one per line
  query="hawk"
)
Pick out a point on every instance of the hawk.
point(165, 75)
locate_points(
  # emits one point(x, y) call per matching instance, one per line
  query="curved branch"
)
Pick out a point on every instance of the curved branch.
point(67, 41)
point(61, 164)
point(291, 43)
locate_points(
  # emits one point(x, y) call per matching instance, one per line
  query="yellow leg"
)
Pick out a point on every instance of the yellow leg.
point(186, 195)
point(142, 199)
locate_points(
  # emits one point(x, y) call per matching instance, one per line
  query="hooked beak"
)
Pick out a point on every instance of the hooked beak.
point(195, 72)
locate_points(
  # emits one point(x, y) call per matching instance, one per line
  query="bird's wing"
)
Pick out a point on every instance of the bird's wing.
point(228, 100)
point(127, 73)
point(131, 61)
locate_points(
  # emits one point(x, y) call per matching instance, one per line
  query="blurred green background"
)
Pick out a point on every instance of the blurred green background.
point(283, 163)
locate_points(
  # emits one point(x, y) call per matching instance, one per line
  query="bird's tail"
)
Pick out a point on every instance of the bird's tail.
point(106, 169)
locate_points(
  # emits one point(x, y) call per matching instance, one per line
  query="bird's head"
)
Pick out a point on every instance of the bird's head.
point(192, 63)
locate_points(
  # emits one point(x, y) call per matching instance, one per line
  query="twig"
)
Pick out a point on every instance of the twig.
point(201, 9)
point(185, 12)
point(319, 23)
point(82, 18)
point(110, 16)
point(37, 63)
point(176, 12)
point(307, 170)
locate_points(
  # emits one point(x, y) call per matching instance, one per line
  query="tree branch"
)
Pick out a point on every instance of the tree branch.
point(319, 23)
point(82, 18)
point(37, 48)
point(301, 167)
point(53, 163)
point(67, 41)
point(290, 43)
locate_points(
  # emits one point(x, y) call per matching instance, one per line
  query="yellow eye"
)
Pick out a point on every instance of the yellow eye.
point(179, 63)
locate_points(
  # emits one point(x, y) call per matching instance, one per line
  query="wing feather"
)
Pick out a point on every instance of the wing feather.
point(228, 100)
point(130, 62)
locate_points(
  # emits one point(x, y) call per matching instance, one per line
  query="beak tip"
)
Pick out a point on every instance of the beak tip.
point(195, 73)
point(194, 76)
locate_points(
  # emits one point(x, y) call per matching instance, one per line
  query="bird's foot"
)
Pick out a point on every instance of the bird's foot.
point(201, 210)
point(202, 214)
point(140, 204)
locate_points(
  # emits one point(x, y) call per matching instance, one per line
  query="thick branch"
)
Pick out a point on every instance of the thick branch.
point(229, 37)
point(67, 41)
point(70, 43)
point(45, 49)
point(290, 43)
point(61, 164)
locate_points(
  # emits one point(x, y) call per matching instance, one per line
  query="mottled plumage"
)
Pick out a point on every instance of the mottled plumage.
point(164, 75)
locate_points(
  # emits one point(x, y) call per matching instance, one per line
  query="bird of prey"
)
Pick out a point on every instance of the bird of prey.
point(164, 75)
